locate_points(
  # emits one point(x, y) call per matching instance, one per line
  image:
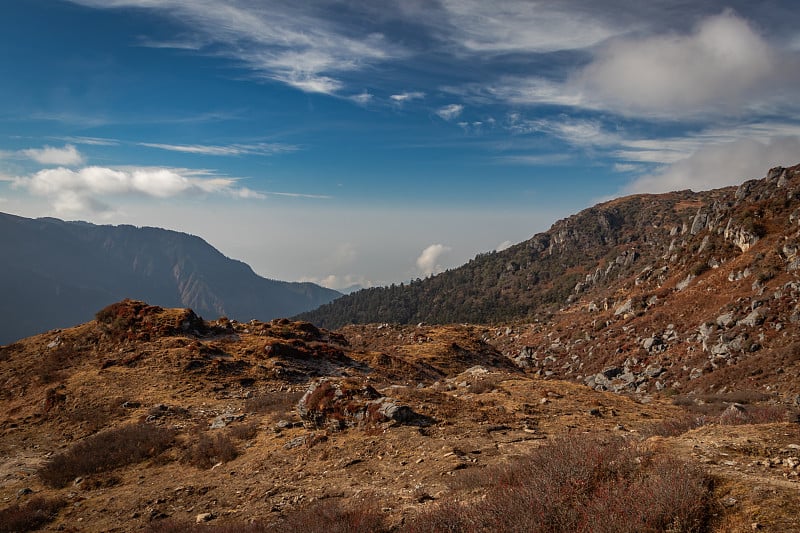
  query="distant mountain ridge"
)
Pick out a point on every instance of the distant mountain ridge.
point(588, 253)
point(56, 274)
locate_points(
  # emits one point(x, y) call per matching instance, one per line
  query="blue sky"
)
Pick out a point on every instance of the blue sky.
point(350, 142)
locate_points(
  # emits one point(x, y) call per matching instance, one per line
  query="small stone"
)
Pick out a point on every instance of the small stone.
point(203, 517)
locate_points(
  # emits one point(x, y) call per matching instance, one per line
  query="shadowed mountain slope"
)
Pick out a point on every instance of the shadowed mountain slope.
point(57, 274)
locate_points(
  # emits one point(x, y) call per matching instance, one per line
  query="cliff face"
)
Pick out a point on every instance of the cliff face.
point(57, 274)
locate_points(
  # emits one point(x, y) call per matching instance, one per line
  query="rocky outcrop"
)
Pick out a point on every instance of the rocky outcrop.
point(339, 404)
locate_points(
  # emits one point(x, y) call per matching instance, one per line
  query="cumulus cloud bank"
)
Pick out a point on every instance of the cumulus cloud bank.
point(722, 64)
point(428, 260)
point(85, 190)
point(719, 165)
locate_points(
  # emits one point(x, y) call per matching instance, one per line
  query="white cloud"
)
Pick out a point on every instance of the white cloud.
point(229, 150)
point(286, 42)
point(520, 90)
point(723, 65)
point(505, 245)
point(428, 260)
point(49, 155)
point(512, 26)
point(718, 165)
point(362, 98)
point(533, 159)
point(93, 141)
point(342, 281)
point(626, 167)
point(84, 190)
point(578, 132)
point(449, 112)
point(407, 96)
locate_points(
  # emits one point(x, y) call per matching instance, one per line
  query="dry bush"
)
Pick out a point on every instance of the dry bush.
point(50, 368)
point(741, 396)
point(175, 526)
point(672, 427)
point(106, 451)
point(330, 516)
point(754, 414)
point(94, 417)
point(207, 451)
point(31, 515)
point(484, 385)
point(322, 516)
point(579, 484)
point(277, 403)
point(243, 431)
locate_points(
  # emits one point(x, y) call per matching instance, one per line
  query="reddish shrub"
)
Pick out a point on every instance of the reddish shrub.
point(578, 484)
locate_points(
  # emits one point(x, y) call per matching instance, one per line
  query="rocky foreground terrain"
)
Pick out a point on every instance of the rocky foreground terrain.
point(645, 381)
point(153, 419)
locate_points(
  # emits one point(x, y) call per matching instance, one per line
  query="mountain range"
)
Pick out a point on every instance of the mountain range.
point(58, 274)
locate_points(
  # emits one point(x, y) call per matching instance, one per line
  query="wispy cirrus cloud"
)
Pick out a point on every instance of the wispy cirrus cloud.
point(225, 150)
point(408, 96)
point(362, 98)
point(449, 112)
point(514, 26)
point(92, 141)
point(285, 42)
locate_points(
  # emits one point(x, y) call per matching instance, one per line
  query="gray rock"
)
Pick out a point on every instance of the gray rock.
point(653, 371)
point(685, 283)
point(203, 517)
point(626, 307)
point(295, 443)
point(755, 318)
point(699, 222)
point(224, 419)
point(725, 320)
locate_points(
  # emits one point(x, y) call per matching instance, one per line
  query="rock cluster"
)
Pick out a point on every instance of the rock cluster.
point(339, 404)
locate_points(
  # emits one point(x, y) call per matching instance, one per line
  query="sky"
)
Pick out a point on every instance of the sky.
point(365, 143)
